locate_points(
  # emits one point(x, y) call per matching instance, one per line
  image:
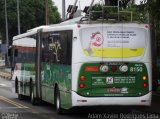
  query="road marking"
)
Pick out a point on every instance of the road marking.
point(12, 108)
point(12, 102)
point(18, 105)
point(2, 84)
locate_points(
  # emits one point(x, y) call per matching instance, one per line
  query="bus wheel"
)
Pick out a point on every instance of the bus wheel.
point(58, 102)
point(20, 96)
point(16, 85)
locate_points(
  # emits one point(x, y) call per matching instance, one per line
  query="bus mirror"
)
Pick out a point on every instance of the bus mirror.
point(16, 53)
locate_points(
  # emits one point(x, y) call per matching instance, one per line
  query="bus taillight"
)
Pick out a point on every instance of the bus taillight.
point(82, 78)
point(92, 68)
point(145, 84)
point(81, 85)
point(114, 68)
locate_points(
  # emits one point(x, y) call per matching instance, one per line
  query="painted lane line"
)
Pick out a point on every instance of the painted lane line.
point(2, 84)
point(12, 108)
point(12, 102)
point(18, 105)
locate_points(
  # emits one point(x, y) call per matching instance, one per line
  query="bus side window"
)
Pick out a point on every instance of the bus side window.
point(54, 47)
point(69, 47)
point(63, 50)
point(66, 47)
point(45, 48)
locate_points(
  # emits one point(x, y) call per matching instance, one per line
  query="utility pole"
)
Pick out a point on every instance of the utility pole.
point(6, 23)
point(46, 12)
point(7, 43)
point(63, 10)
point(18, 17)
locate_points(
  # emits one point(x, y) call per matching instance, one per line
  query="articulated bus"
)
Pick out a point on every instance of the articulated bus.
point(83, 62)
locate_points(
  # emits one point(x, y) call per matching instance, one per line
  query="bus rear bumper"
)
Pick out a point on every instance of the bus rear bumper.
point(78, 100)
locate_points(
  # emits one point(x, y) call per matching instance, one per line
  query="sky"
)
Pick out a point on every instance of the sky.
point(81, 3)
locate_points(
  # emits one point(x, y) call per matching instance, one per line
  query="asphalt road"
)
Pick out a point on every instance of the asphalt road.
point(12, 108)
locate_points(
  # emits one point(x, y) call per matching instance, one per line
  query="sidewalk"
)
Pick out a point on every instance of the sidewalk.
point(5, 73)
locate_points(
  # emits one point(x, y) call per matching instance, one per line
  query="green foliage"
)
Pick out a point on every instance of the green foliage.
point(97, 7)
point(32, 14)
point(154, 10)
point(139, 12)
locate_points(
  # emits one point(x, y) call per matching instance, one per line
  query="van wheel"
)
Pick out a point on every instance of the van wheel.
point(58, 102)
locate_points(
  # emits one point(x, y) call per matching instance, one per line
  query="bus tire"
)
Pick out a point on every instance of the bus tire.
point(20, 96)
point(59, 110)
point(16, 85)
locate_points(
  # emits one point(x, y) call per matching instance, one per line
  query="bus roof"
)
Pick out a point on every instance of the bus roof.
point(66, 24)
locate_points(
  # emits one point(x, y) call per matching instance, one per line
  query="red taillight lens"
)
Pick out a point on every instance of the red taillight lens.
point(82, 78)
point(92, 68)
point(81, 85)
point(114, 68)
point(145, 85)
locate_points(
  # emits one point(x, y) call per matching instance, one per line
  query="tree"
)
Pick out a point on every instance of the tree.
point(32, 14)
point(126, 8)
point(115, 2)
point(154, 10)
point(111, 2)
